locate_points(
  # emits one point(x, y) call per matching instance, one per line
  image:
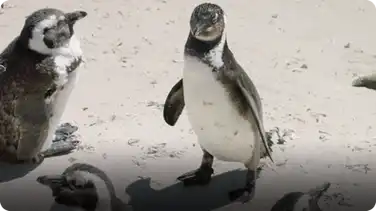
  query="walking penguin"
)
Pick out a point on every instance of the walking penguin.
point(38, 74)
point(223, 105)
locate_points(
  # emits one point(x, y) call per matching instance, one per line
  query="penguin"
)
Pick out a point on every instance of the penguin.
point(299, 201)
point(83, 187)
point(368, 81)
point(223, 105)
point(38, 75)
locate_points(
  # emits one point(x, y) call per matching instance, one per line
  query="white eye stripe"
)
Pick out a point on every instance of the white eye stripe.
point(45, 24)
point(71, 50)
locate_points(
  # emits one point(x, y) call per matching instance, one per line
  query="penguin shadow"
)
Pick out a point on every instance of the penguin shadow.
point(119, 205)
point(177, 197)
point(11, 172)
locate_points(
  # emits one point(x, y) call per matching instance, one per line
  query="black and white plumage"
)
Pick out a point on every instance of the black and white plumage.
point(299, 201)
point(223, 105)
point(83, 187)
point(368, 81)
point(37, 78)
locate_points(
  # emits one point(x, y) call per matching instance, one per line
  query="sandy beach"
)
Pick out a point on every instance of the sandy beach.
point(302, 56)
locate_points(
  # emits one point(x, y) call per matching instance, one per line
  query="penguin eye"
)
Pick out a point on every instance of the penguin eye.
point(60, 23)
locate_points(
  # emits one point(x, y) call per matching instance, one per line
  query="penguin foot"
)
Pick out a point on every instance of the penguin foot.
point(65, 132)
point(243, 195)
point(201, 176)
point(64, 141)
point(60, 148)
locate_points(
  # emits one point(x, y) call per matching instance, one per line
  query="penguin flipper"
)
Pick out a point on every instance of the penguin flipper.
point(33, 124)
point(249, 93)
point(368, 81)
point(174, 104)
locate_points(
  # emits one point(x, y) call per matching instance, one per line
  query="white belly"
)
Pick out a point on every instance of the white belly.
point(58, 102)
point(219, 127)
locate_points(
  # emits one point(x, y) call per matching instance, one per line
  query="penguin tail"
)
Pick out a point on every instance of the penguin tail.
point(366, 82)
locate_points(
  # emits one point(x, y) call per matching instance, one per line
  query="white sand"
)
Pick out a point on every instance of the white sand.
point(134, 51)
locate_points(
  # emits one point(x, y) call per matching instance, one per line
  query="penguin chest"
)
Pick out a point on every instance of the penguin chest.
point(221, 130)
point(57, 101)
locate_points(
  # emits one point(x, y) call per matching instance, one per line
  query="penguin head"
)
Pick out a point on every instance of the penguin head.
point(79, 189)
point(47, 31)
point(207, 22)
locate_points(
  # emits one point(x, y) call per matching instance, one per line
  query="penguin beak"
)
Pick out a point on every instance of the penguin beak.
point(72, 17)
point(52, 180)
point(198, 29)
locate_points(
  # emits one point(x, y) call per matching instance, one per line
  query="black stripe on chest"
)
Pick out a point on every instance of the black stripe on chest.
point(227, 75)
point(199, 49)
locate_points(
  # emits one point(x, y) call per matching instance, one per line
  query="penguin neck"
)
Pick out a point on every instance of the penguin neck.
point(199, 46)
point(105, 196)
point(105, 189)
point(210, 52)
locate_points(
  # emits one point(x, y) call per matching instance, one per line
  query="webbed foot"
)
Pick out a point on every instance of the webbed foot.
point(200, 176)
point(243, 195)
point(64, 141)
point(60, 148)
point(247, 193)
point(64, 132)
